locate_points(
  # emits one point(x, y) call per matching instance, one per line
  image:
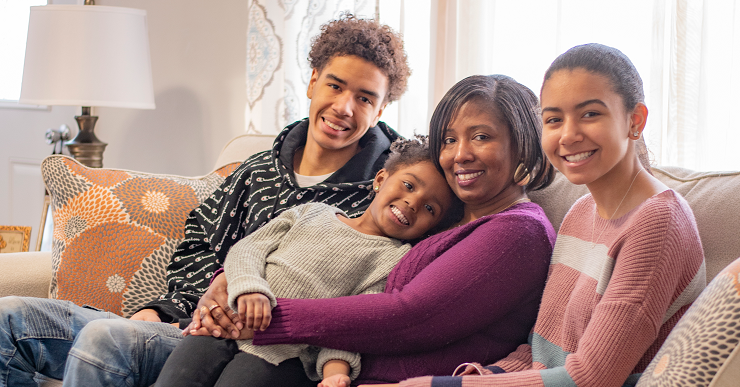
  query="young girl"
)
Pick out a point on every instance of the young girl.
point(315, 251)
point(628, 261)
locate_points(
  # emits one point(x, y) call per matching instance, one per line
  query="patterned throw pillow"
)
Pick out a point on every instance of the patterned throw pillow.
point(115, 230)
point(702, 349)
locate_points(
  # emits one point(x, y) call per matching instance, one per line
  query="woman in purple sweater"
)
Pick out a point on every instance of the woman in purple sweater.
point(471, 292)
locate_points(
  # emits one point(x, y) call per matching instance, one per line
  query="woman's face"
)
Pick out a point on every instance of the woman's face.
point(585, 126)
point(476, 157)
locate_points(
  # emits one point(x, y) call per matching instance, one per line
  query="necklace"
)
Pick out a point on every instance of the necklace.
point(596, 212)
point(515, 202)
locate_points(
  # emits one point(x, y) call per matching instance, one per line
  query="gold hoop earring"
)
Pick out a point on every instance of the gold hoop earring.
point(522, 170)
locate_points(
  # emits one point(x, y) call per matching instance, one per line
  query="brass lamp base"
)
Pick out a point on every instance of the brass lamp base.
point(85, 147)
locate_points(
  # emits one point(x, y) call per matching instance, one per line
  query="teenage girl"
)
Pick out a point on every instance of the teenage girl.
point(627, 262)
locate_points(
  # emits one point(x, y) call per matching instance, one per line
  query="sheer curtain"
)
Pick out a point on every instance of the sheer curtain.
point(695, 70)
point(687, 52)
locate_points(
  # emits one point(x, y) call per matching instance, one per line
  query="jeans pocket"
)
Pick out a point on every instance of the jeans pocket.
point(86, 306)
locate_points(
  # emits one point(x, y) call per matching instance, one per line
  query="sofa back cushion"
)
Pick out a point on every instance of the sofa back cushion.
point(713, 197)
point(115, 230)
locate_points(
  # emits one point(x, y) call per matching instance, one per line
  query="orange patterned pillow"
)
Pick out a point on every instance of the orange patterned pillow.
point(115, 230)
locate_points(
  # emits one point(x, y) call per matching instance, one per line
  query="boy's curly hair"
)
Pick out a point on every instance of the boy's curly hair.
point(366, 38)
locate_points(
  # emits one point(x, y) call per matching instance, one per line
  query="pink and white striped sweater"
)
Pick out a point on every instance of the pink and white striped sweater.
point(608, 304)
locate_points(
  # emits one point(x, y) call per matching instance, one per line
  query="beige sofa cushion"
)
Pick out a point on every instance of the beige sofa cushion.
point(715, 199)
point(26, 274)
point(713, 196)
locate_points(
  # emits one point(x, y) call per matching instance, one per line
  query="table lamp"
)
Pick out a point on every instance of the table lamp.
point(87, 55)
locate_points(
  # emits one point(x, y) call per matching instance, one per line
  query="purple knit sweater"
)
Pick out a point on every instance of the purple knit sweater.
point(467, 294)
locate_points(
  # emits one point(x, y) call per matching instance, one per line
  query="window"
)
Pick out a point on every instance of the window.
point(685, 52)
point(13, 29)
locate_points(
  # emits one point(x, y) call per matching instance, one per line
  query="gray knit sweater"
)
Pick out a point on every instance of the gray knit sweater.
point(307, 252)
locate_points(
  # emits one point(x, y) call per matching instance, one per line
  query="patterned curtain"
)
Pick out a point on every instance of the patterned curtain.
point(278, 41)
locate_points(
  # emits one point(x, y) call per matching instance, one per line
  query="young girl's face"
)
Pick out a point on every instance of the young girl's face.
point(585, 125)
point(410, 201)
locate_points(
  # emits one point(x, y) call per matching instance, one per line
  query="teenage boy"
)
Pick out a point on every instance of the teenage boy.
point(359, 66)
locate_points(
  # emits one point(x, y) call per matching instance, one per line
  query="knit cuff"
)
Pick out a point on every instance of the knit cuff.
point(280, 330)
point(326, 354)
point(246, 284)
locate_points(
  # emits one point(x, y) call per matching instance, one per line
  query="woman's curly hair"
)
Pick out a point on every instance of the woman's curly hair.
point(366, 38)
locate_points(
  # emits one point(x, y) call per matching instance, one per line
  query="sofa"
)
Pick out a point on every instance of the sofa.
point(132, 221)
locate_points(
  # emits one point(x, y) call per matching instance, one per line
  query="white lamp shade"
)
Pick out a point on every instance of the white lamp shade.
point(87, 55)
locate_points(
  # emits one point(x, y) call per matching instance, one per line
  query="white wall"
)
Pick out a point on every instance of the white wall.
point(198, 66)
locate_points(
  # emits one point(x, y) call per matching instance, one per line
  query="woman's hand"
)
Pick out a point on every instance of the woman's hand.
point(337, 380)
point(215, 316)
point(197, 329)
point(255, 310)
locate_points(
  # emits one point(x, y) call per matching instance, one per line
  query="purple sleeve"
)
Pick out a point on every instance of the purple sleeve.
point(475, 282)
point(215, 274)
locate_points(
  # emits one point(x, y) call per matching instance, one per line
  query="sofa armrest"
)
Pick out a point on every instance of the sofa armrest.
point(25, 274)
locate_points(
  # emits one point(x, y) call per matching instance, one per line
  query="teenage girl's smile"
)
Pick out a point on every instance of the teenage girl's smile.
point(578, 157)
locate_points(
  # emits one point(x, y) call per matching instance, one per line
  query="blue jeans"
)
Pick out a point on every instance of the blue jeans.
point(82, 346)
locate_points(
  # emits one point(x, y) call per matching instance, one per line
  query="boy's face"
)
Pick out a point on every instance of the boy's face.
point(347, 98)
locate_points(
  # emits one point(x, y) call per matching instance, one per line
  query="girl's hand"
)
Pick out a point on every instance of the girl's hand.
point(336, 380)
point(255, 310)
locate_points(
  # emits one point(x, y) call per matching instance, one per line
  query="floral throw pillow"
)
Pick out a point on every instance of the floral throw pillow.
point(702, 349)
point(115, 230)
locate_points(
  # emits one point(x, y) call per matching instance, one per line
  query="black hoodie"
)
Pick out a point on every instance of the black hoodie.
point(257, 191)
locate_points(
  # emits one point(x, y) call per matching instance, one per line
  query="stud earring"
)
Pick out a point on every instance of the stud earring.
point(376, 188)
point(636, 134)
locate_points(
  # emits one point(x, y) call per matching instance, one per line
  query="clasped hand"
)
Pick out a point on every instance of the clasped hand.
point(214, 317)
